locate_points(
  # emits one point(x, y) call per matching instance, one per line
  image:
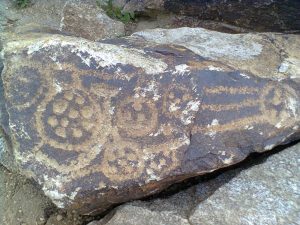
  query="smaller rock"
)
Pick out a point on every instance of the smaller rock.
point(20, 201)
point(137, 215)
point(59, 217)
point(87, 20)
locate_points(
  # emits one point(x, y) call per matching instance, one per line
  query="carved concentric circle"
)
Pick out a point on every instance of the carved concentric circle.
point(122, 161)
point(26, 88)
point(136, 117)
point(72, 120)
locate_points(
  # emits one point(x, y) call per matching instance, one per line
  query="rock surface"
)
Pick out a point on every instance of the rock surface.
point(271, 55)
point(267, 193)
point(74, 17)
point(260, 15)
point(21, 201)
point(86, 20)
point(102, 123)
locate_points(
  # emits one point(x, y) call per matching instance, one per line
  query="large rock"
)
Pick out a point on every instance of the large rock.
point(85, 19)
point(102, 123)
point(259, 15)
point(267, 193)
point(73, 17)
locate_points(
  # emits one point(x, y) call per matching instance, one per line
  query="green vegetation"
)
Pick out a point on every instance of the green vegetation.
point(115, 12)
point(22, 3)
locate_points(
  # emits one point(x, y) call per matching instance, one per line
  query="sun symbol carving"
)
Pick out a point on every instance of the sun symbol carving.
point(71, 118)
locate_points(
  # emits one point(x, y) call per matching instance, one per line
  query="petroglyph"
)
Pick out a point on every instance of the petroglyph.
point(124, 129)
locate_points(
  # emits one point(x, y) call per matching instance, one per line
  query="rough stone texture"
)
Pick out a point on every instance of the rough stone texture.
point(266, 193)
point(102, 123)
point(89, 21)
point(41, 14)
point(271, 55)
point(75, 17)
point(260, 15)
point(136, 215)
point(21, 201)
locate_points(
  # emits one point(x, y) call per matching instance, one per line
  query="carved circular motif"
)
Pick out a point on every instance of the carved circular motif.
point(71, 118)
point(136, 117)
point(122, 161)
point(26, 88)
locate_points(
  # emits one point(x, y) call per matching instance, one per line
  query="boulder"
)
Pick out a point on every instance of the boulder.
point(258, 15)
point(87, 20)
point(100, 123)
point(73, 17)
point(265, 193)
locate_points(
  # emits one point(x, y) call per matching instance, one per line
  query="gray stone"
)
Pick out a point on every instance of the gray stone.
point(75, 17)
point(264, 194)
point(86, 19)
point(137, 215)
point(260, 15)
point(271, 55)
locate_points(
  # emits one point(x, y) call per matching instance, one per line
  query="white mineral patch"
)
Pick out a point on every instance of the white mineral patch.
point(212, 134)
point(56, 197)
point(105, 55)
point(244, 75)
point(112, 110)
point(214, 122)
point(150, 89)
point(181, 69)
point(209, 44)
point(269, 147)
point(185, 140)
point(188, 114)
point(57, 86)
point(151, 176)
point(279, 124)
point(74, 193)
point(293, 106)
point(193, 105)
point(248, 127)
point(283, 67)
point(228, 160)
point(173, 107)
point(213, 68)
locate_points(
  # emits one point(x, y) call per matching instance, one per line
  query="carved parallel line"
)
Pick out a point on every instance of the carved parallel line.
point(227, 107)
point(231, 90)
point(234, 125)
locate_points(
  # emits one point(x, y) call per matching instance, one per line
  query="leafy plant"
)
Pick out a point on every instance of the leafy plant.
point(22, 3)
point(116, 12)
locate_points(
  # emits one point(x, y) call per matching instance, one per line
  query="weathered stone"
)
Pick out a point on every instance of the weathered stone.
point(85, 19)
point(271, 55)
point(102, 123)
point(266, 193)
point(21, 201)
point(74, 17)
point(259, 15)
point(136, 215)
